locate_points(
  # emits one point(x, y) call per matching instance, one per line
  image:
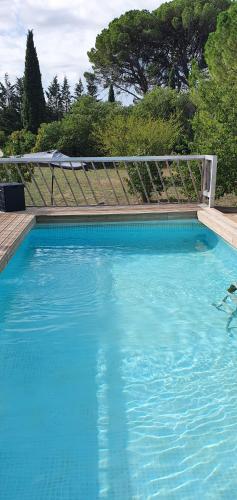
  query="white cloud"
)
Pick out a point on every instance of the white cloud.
point(64, 30)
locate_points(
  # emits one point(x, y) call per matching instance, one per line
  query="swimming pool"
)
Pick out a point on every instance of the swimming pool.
point(118, 379)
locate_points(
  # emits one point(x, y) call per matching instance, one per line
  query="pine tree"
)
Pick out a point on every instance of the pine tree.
point(33, 95)
point(54, 100)
point(7, 92)
point(79, 89)
point(66, 98)
point(91, 84)
point(10, 106)
point(111, 96)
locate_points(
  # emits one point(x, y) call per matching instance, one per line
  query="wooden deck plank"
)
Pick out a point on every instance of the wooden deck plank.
point(13, 232)
point(13, 228)
point(232, 217)
point(9, 226)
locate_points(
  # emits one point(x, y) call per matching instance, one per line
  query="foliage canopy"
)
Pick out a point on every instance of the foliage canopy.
point(129, 135)
point(221, 48)
point(142, 49)
point(215, 130)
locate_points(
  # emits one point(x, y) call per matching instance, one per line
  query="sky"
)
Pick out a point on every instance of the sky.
point(64, 30)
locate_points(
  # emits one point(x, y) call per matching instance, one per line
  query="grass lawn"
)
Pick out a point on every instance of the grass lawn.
point(73, 188)
point(79, 188)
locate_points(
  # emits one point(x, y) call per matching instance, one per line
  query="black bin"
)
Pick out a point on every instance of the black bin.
point(12, 197)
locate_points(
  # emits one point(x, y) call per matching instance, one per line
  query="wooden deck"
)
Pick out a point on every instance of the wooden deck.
point(232, 217)
point(13, 228)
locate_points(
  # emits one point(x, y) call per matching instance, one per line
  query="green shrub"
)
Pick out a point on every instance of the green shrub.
point(73, 135)
point(165, 103)
point(130, 135)
point(18, 143)
point(48, 136)
point(215, 130)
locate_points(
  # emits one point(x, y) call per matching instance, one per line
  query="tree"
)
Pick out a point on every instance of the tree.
point(10, 105)
point(221, 48)
point(19, 142)
point(91, 84)
point(214, 127)
point(79, 89)
point(66, 98)
point(33, 95)
point(77, 137)
point(73, 135)
point(124, 52)
point(54, 100)
point(140, 50)
point(49, 134)
point(172, 78)
point(111, 96)
point(2, 139)
point(7, 92)
point(165, 103)
point(126, 134)
point(19, 92)
point(184, 26)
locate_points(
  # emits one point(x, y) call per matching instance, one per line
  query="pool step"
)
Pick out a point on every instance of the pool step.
point(114, 213)
point(220, 223)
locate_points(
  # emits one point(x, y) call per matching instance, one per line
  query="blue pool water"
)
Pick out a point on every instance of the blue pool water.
point(118, 379)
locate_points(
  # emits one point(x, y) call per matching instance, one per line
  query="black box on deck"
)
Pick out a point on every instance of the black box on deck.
point(12, 197)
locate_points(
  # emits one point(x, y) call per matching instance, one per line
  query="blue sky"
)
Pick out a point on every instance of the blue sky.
point(64, 30)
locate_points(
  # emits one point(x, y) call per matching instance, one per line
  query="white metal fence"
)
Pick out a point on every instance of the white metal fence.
point(114, 180)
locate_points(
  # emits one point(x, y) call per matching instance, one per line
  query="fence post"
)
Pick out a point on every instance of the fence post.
point(212, 191)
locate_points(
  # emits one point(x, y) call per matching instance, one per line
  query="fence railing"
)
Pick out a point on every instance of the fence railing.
point(114, 180)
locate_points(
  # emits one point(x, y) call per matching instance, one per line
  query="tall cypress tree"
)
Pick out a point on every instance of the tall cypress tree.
point(111, 96)
point(33, 95)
